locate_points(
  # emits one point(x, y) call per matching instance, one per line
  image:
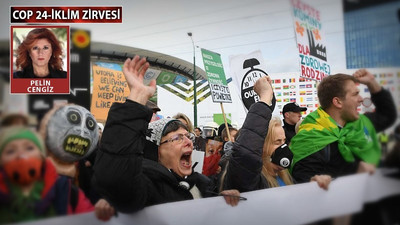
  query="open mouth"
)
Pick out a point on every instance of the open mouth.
point(76, 145)
point(186, 159)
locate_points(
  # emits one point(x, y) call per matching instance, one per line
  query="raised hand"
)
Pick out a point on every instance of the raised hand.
point(134, 71)
point(367, 78)
point(323, 181)
point(263, 88)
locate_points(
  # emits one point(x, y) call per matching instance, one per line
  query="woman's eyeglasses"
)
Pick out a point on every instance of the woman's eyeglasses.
point(179, 138)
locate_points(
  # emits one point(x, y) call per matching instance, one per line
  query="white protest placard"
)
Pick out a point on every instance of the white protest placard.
point(245, 71)
point(310, 41)
point(198, 159)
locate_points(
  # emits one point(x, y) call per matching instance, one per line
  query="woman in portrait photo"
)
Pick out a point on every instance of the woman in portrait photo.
point(40, 56)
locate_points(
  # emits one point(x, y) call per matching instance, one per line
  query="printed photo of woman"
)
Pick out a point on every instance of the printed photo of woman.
point(40, 56)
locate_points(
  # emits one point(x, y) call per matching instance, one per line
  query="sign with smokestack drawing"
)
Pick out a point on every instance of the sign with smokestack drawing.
point(310, 41)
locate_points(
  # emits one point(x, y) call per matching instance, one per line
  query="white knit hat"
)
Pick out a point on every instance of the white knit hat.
point(156, 129)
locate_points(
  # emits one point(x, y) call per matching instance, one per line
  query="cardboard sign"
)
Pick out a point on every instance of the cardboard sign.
point(109, 86)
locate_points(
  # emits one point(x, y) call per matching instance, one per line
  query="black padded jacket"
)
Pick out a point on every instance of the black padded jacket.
point(245, 163)
point(124, 177)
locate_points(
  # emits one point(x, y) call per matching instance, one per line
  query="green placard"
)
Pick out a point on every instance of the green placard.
point(216, 76)
point(219, 118)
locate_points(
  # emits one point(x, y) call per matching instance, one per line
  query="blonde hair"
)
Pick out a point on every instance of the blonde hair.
point(185, 118)
point(266, 157)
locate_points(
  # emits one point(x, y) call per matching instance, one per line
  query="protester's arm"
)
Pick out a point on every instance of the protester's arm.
point(118, 173)
point(385, 108)
point(305, 169)
point(364, 167)
point(385, 113)
point(245, 164)
point(231, 197)
point(326, 161)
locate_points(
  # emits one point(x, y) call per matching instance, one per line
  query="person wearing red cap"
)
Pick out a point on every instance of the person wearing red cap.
point(291, 115)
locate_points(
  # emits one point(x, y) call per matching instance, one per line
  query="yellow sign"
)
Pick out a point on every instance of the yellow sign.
point(109, 86)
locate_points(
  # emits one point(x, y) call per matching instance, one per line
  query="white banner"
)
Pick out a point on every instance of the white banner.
point(295, 204)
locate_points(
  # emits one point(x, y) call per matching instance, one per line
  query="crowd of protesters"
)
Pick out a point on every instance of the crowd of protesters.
point(72, 164)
